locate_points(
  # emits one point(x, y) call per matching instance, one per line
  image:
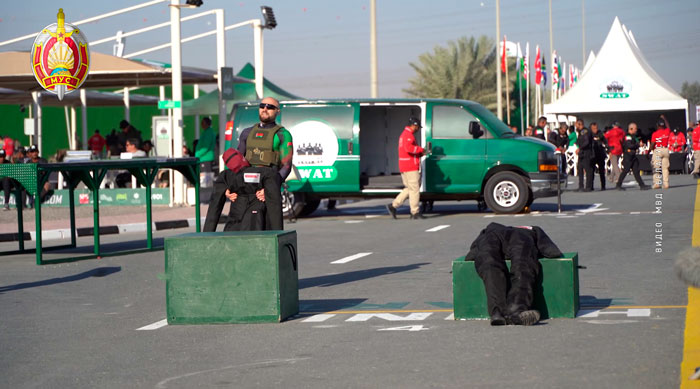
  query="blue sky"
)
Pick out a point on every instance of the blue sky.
point(321, 48)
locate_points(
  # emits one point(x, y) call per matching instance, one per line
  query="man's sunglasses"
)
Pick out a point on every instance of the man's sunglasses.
point(268, 106)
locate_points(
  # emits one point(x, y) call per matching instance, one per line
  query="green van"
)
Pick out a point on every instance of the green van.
point(349, 149)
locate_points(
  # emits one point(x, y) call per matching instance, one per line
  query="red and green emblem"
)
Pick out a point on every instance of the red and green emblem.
point(60, 57)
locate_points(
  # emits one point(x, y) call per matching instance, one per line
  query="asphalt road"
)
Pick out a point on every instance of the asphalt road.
point(77, 324)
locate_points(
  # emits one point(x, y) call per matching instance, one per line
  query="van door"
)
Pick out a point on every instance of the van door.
point(324, 139)
point(457, 159)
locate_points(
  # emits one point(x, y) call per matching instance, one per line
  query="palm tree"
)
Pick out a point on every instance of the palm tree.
point(462, 70)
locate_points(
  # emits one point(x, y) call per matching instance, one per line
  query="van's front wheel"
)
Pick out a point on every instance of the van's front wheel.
point(297, 205)
point(506, 192)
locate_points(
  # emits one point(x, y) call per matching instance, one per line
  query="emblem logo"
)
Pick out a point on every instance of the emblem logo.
point(60, 57)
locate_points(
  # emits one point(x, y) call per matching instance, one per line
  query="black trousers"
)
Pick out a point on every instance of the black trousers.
point(509, 291)
point(600, 164)
point(630, 162)
point(585, 165)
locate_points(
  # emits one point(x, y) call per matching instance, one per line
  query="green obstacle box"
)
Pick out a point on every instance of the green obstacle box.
point(556, 290)
point(231, 277)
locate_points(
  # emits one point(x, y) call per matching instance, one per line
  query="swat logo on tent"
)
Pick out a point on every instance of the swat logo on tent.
point(615, 89)
point(60, 57)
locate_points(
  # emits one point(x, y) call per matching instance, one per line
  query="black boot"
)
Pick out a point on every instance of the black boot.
point(392, 211)
point(525, 318)
point(497, 318)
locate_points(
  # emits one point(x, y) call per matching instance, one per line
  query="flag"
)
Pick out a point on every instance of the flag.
point(555, 72)
point(538, 67)
point(571, 76)
point(544, 72)
point(519, 61)
point(503, 56)
point(526, 69)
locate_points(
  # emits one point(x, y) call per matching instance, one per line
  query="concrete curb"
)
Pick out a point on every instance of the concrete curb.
point(64, 233)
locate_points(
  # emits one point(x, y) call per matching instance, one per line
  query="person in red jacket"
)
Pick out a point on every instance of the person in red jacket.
point(676, 141)
point(96, 143)
point(615, 136)
point(661, 159)
point(409, 166)
point(696, 151)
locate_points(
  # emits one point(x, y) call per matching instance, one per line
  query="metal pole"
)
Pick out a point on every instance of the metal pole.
point(220, 63)
point(583, 32)
point(176, 61)
point(196, 117)
point(551, 49)
point(73, 129)
point(83, 116)
point(558, 181)
point(161, 94)
point(258, 48)
point(127, 105)
point(373, 47)
point(499, 94)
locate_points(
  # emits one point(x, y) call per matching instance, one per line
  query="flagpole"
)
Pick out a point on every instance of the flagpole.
point(505, 40)
point(499, 95)
point(527, 83)
point(519, 67)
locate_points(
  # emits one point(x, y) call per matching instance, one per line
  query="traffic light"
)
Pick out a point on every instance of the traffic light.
point(269, 17)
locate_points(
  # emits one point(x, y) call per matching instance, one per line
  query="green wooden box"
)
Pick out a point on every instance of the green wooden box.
point(556, 290)
point(231, 277)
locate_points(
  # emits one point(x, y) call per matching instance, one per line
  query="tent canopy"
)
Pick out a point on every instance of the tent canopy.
point(94, 99)
point(208, 104)
point(620, 83)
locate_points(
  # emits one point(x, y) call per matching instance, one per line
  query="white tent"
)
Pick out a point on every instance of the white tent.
point(619, 85)
point(589, 62)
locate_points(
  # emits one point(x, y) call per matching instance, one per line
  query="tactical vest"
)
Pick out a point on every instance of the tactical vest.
point(259, 146)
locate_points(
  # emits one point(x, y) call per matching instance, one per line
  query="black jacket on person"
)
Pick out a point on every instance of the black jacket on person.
point(630, 145)
point(247, 213)
point(600, 145)
point(584, 141)
point(523, 246)
point(560, 141)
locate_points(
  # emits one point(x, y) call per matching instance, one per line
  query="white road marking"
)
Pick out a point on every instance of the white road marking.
point(450, 317)
point(405, 328)
point(633, 312)
point(318, 318)
point(351, 258)
point(438, 228)
point(635, 213)
point(354, 221)
point(416, 316)
point(593, 208)
point(608, 213)
point(371, 216)
point(154, 326)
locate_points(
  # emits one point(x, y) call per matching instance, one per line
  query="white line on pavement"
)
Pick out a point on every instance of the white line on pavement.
point(351, 258)
point(438, 228)
point(318, 318)
point(154, 326)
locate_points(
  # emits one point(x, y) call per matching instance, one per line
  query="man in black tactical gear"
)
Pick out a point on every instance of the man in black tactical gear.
point(509, 294)
point(584, 141)
point(600, 152)
point(630, 145)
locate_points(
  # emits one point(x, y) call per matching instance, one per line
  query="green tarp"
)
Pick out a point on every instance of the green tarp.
point(208, 104)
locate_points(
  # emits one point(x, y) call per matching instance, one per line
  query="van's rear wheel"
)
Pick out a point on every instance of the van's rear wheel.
point(298, 205)
point(506, 192)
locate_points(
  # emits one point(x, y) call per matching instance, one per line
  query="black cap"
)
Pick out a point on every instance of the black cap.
point(32, 148)
point(123, 124)
point(661, 123)
point(414, 121)
point(616, 124)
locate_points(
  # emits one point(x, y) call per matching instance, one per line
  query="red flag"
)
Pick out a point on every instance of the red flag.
point(538, 67)
point(503, 57)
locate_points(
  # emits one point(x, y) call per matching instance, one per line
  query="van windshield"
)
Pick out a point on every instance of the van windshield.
point(499, 129)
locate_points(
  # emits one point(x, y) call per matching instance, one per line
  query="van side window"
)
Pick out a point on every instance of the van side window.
point(453, 122)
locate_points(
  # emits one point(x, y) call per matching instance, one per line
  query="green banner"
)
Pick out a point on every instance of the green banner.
point(83, 197)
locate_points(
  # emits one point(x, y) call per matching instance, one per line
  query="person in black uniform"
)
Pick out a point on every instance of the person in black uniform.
point(247, 213)
point(561, 141)
point(585, 157)
point(630, 145)
point(600, 152)
point(510, 294)
point(540, 129)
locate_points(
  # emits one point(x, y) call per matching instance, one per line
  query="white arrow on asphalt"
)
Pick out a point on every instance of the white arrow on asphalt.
point(593, 208)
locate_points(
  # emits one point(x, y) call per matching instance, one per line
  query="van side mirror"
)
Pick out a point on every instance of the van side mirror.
point(475, 130)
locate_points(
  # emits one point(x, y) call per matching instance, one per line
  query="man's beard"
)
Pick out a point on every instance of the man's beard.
point(268, 120)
